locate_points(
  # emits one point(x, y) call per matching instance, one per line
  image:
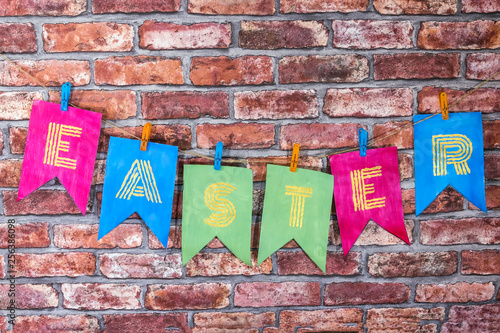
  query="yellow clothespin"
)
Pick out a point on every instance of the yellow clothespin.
point(443, 103)
point(295, 157)
point(146, 132)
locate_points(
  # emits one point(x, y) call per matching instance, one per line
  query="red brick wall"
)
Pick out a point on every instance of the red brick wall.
point(259, 75)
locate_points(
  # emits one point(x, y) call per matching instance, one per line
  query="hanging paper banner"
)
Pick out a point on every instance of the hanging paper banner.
point(297, 205)
point(138, 181)
point(449, 152)
point(217, 203)
point(60, 144)
point(367, 188)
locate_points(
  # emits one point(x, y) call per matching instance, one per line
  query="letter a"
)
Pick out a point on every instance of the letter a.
point(139, 182)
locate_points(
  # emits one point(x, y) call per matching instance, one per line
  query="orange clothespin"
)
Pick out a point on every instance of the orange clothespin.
point(146, 132)
point(295, 157)
point(443, 103)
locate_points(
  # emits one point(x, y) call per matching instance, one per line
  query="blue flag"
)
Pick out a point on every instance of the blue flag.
point(449, 152)
point(138, 181)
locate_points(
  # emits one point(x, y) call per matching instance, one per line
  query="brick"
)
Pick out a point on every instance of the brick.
point(266, 294)
point(41, 202)
point(224, 71)
point(122, 71)
point(176, 135)
point(260, 169)
point(17, 105)
point(486, 100)
point(42, 8)
point(298, 263)
point(369, 34)
point(324, 69)
point(271, 35)
point(403, 139)
point(405, 162)
point(98, 296)
point(492, 198)
point(84, 236)
point(481, 66)
point(473, 35)
point(485, 262)
point(142, 266)
point(49, 72)
point(318, 136)
point(235, 136)
point(155, 35)
point(235, 7)
point(447, 201)
point(349, 293)
point(3, 324)
point(416, 66)
point(403, 320)
point(492, 167)
point(47, 323)
point(415, 7)
point(368, 102)
point(460, 292)
point(88, 37)
point(114, 105)
point(27, 235)
point(146, 322)
point(10, 172)
point(174, 239)
point(135, 6)
point(480, 6)
point(17, 38)
point(276, 104)
point(412, 264)
point(321, 6)
point(232, 321)
point(70, 264)
point(2, 268)
point(31, 296)
point(470, 318)
point(17, 139)
point(222, 264)
point(332, 320)
point(460, 231)
point(491, 134)
point(194, 296)
point(185, 104)
point(374, 234)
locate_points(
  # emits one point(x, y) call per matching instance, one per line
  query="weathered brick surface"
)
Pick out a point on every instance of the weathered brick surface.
point(217, 264)
point(174, 239)
point(30, 296)
point(146, 322)
point(265, 294)
point(235, 7)
point(482, 66)
point(84, 236)
point(193, 296)
point(10, 172)
point(401, 134)
point(368, 102)
point(2, 267)
point(143, 266)
point(17, 139)
point(321, 6)
point(42, 8)
point(26, 235)
point(47, 323)
point(416, 66)
point(97, 296)
point(447, 201)
point(317, 135)
point(349, 293)
point(480, 6)
point(270, 35)
point(17, 38)
point(40, 202)
point(235, 136)
point(332, 320)
point(460, 292)
point(369, 34)
point(298, 263)
point(224, 71)
point(218, 321)
point(491, 134)
point(374, 234)
point(135, 6)
point(415, 7)
point(471, 35)
point(462, 231)
point(492, 198)
point(412, 264)
point(70, 264)
point(485, 262)
point(492, 167)
point(404, 320)
point(472, 318)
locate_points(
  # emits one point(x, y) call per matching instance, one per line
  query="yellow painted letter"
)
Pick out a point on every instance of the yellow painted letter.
point(140, 182)
point(225, 208)
point(453, 149)
point(360, 189)
point(54, 145)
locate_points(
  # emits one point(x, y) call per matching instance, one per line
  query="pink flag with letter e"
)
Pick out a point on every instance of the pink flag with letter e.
point(367, 187)
point(60, 144)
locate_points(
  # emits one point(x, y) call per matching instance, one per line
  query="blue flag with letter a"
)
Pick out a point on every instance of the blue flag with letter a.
point(449, 152)
point(138, 181)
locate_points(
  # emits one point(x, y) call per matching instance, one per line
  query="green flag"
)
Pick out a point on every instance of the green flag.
point(217, 203)
point(297, 205)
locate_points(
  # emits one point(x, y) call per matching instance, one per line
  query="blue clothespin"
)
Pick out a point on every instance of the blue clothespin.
point(65, 91)
point(363, 138)
point(218, 155)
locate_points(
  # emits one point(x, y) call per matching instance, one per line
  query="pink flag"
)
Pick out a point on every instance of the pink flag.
point(60, 144)
point(367, 188)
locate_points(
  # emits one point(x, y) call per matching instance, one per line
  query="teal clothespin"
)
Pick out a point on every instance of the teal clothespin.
point(65, 92)
point(363, 138)
point(218, 155)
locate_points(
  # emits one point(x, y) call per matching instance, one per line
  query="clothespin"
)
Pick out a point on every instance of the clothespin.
point(218, 155)
point(146, 132)
point(363, 138)
point(295, 157)
point(65, 91)
point(443, 103)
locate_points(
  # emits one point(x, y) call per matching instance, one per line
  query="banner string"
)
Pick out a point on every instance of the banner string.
point(371, 142)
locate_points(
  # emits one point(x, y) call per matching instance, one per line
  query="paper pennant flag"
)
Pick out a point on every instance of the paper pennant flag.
point(297, 205)
point(60, 144)
point(217, 203)
point(367, 188)
point(449, 152)
point(138, 181)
